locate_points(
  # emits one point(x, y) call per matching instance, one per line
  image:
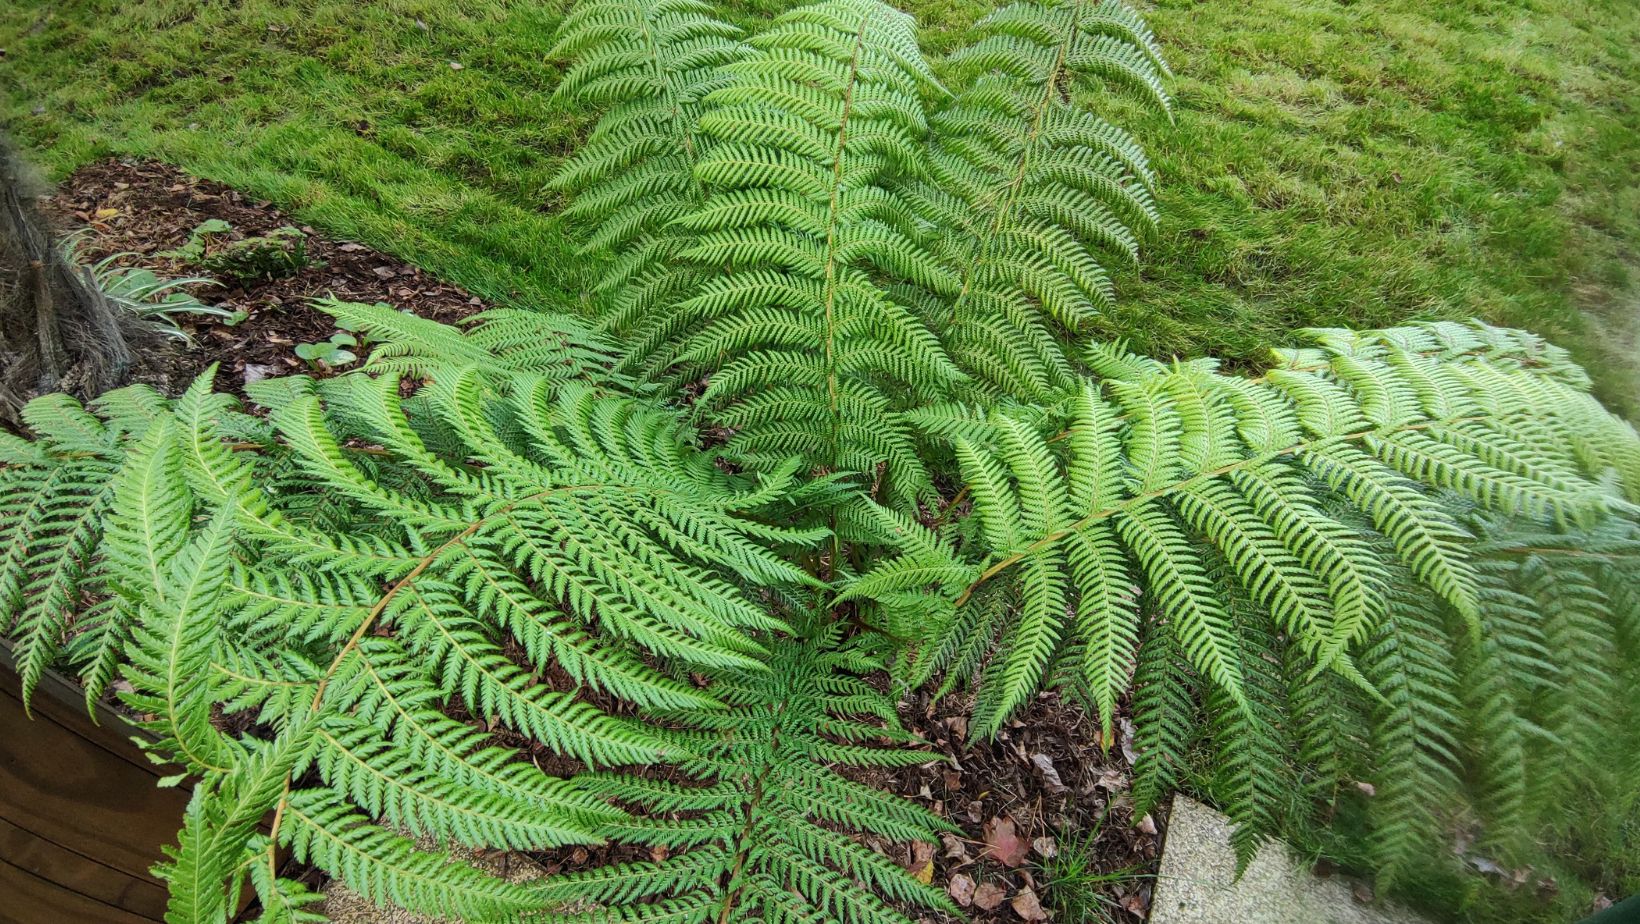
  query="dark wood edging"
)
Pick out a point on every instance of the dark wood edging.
point(81, 817)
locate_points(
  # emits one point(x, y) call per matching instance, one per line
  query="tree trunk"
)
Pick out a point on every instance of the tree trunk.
point(57, 331)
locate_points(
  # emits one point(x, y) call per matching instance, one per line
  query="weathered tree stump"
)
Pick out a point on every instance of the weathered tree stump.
point(57, 331)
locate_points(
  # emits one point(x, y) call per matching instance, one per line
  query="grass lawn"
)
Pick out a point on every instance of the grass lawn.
point(1332, 162)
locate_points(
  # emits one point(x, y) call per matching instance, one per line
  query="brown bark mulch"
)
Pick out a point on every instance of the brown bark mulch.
point(145, 208)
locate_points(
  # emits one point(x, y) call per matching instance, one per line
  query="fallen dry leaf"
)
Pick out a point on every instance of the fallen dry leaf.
point(988, 896)
point(954, 847)
point(1050, 774)
point(1003, 843)
point(1136, 904)
point(922, 862)
point(1126, 724)
point(1026, 905)
point(961, 889)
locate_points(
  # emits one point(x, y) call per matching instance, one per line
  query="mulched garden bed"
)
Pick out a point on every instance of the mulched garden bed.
point(1047, 783)
point(145, 208)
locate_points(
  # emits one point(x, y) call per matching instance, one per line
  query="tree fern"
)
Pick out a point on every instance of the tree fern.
point(1279, 476)
point(1401, 558)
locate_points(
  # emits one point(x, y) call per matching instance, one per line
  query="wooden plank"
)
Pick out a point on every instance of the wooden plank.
point(27, 899)
point(86, 876)
point(80, 811)
point(62, 701)
point(79, 794)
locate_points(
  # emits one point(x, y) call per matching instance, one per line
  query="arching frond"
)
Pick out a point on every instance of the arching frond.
point(570, 543)
point(804, 350)
point(649, 66)
point(1118, 494)
point(1035, 194)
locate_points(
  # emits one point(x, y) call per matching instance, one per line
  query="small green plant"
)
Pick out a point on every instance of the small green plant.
point(1076, 887)
point(154, 298)
point(330, 354)
point(931, 478)
point(199, 241)
point(279, 253)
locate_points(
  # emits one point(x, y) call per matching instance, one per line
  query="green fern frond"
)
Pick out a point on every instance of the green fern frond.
point(388, 869)
point(54, 496)
point(1165, 717)
point(1246, 466)
point(650, 66)
point(565, 530)
point(804, 349)
point(500, 342)
point(215, 845)
point(1037, 193)
point(768, 823)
